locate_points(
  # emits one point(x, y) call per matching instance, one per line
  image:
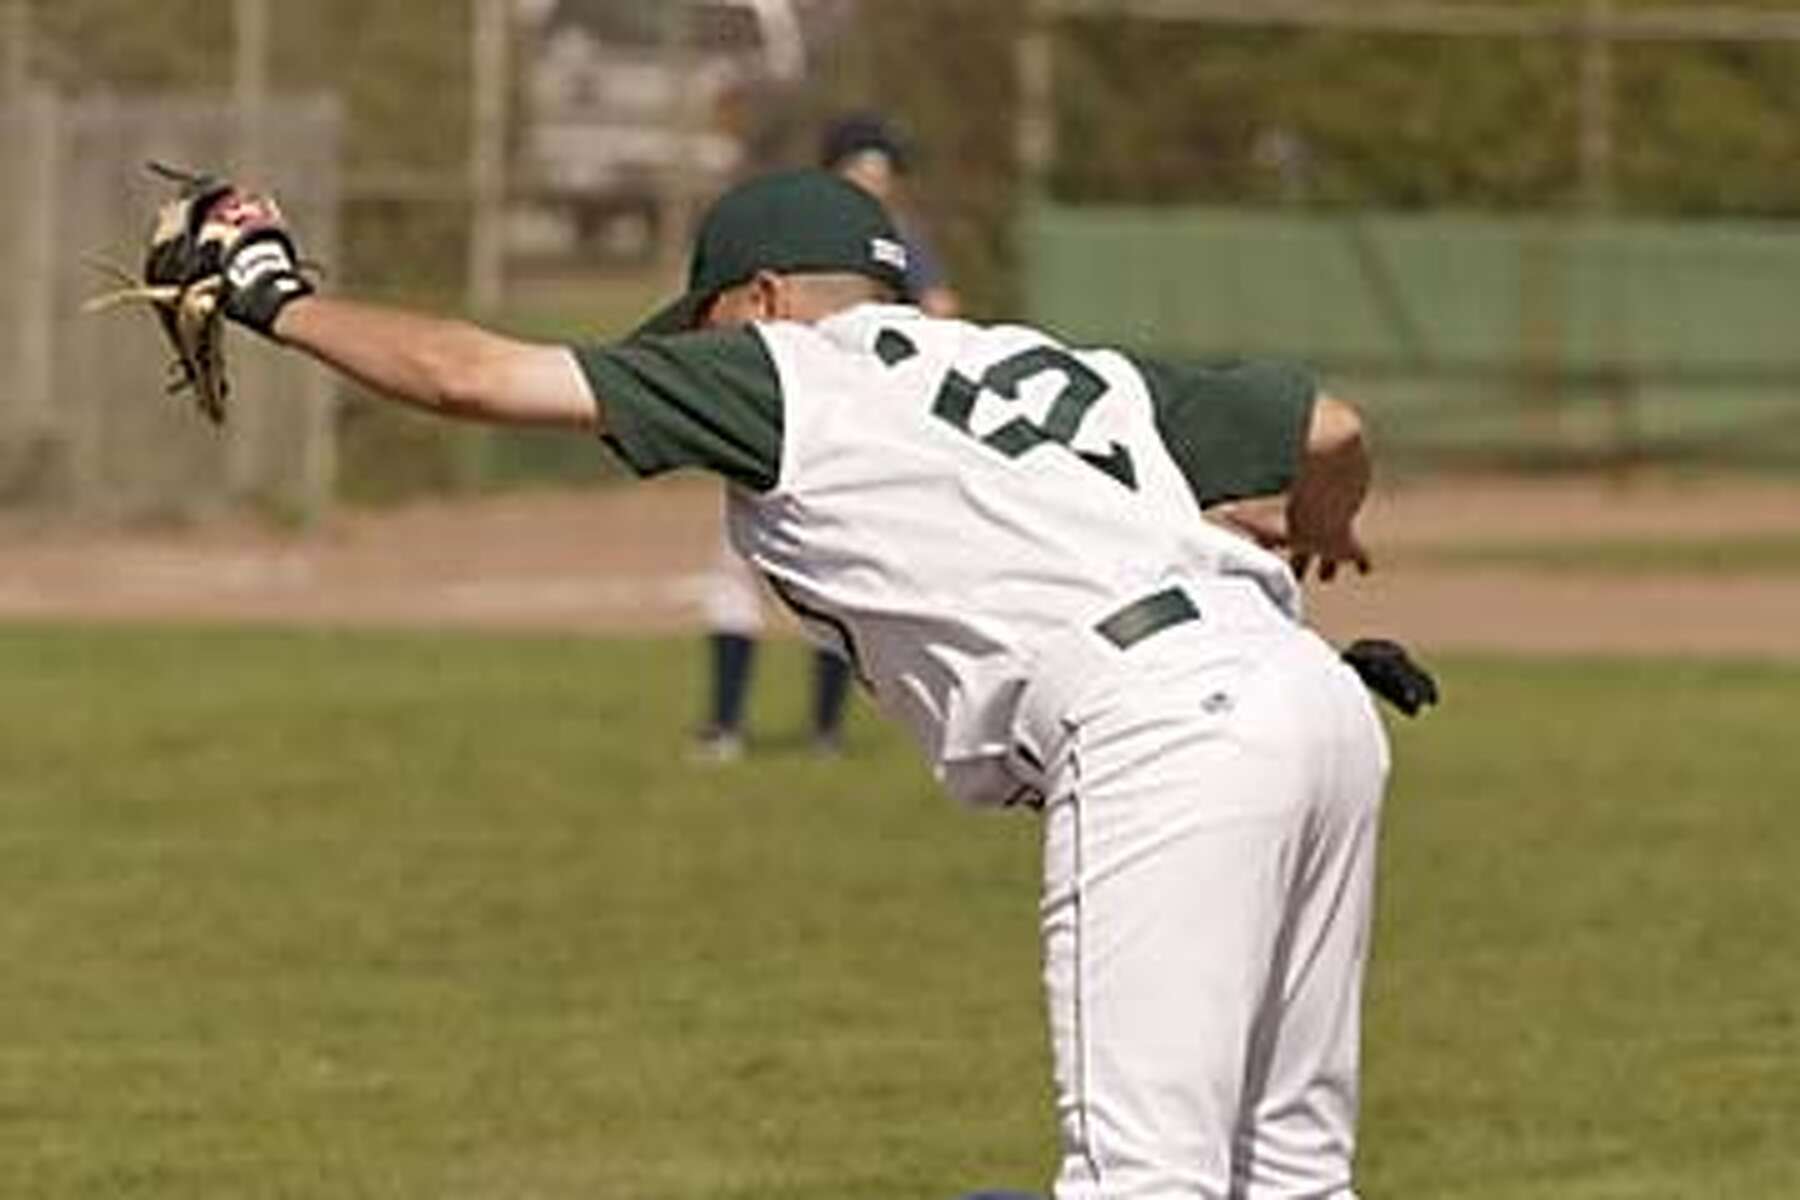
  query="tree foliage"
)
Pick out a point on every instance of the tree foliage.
point(88, 45)
point(1169, 112)
point(1172, 112)
point(1147, 112)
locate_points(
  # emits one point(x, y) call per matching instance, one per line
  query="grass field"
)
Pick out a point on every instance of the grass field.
point(329, 915)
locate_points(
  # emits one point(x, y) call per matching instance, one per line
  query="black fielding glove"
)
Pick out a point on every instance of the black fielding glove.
point(216, 253)
point(1390, 672)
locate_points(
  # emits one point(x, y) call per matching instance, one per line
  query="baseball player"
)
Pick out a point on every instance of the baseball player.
point(869, 152)
point(1007, 536)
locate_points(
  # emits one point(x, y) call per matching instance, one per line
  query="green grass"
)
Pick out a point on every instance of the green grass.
point(1585, 984)
point(1743, 554)
point(324, 915)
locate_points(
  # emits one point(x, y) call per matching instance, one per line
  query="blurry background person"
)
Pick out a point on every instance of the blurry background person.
point(871, 153)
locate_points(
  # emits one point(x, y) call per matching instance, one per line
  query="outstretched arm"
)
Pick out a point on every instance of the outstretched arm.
point(449, 367)
point(221, 251)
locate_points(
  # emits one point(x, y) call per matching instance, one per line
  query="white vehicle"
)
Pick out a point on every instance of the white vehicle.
point(628, 100)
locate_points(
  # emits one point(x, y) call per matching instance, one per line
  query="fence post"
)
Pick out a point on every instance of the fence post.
point(250, 102)
point(37, 292)
point(1597, 140)
point(1598, 201)
point(487, 156)
point(18, 50)
point(318, 449)
point(1035, 63)
point(319, 387)
point(1620, 390)
point(250, 85)
point(684, 118)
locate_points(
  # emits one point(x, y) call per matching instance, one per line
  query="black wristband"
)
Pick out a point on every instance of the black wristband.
point(262, 278)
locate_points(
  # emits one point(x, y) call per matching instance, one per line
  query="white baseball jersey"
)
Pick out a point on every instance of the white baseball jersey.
point(949, 511)
point(943, 496)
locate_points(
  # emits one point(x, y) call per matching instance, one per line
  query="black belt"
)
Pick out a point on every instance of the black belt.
point(1151, 614)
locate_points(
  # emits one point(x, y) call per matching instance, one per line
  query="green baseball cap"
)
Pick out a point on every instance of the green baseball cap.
point(794, 222)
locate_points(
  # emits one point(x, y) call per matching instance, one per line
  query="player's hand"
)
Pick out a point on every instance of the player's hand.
point(245, 238)
point(1321, 526)
point(1268, 521)
point(1327, 557)
point(1328, 493)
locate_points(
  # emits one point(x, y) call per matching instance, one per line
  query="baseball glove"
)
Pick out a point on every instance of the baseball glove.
point(216, 252)
point(1390, 672)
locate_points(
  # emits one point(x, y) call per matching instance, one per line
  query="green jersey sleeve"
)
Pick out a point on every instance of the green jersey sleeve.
point(1235, 428)
point(709, 399)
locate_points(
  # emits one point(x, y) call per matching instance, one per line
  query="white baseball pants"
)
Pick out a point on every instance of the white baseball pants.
point(732, 601)
point(1211, 812)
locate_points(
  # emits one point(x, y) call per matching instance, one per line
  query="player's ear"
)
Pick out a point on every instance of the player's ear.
point(770, 298)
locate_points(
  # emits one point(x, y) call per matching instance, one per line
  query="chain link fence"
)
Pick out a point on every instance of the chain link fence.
point(478, 156)
point(83, 428)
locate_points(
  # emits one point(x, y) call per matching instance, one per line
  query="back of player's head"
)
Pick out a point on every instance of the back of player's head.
point(793, 222)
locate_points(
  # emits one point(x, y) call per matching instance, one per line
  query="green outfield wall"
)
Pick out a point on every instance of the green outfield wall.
point(1472, 339)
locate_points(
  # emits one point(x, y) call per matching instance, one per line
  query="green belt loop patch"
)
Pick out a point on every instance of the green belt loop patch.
point(1153, 614)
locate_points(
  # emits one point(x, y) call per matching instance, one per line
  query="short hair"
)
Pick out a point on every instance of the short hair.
point(845, 287)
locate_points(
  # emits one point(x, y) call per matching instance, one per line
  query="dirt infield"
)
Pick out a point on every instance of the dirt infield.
point(634, 558)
